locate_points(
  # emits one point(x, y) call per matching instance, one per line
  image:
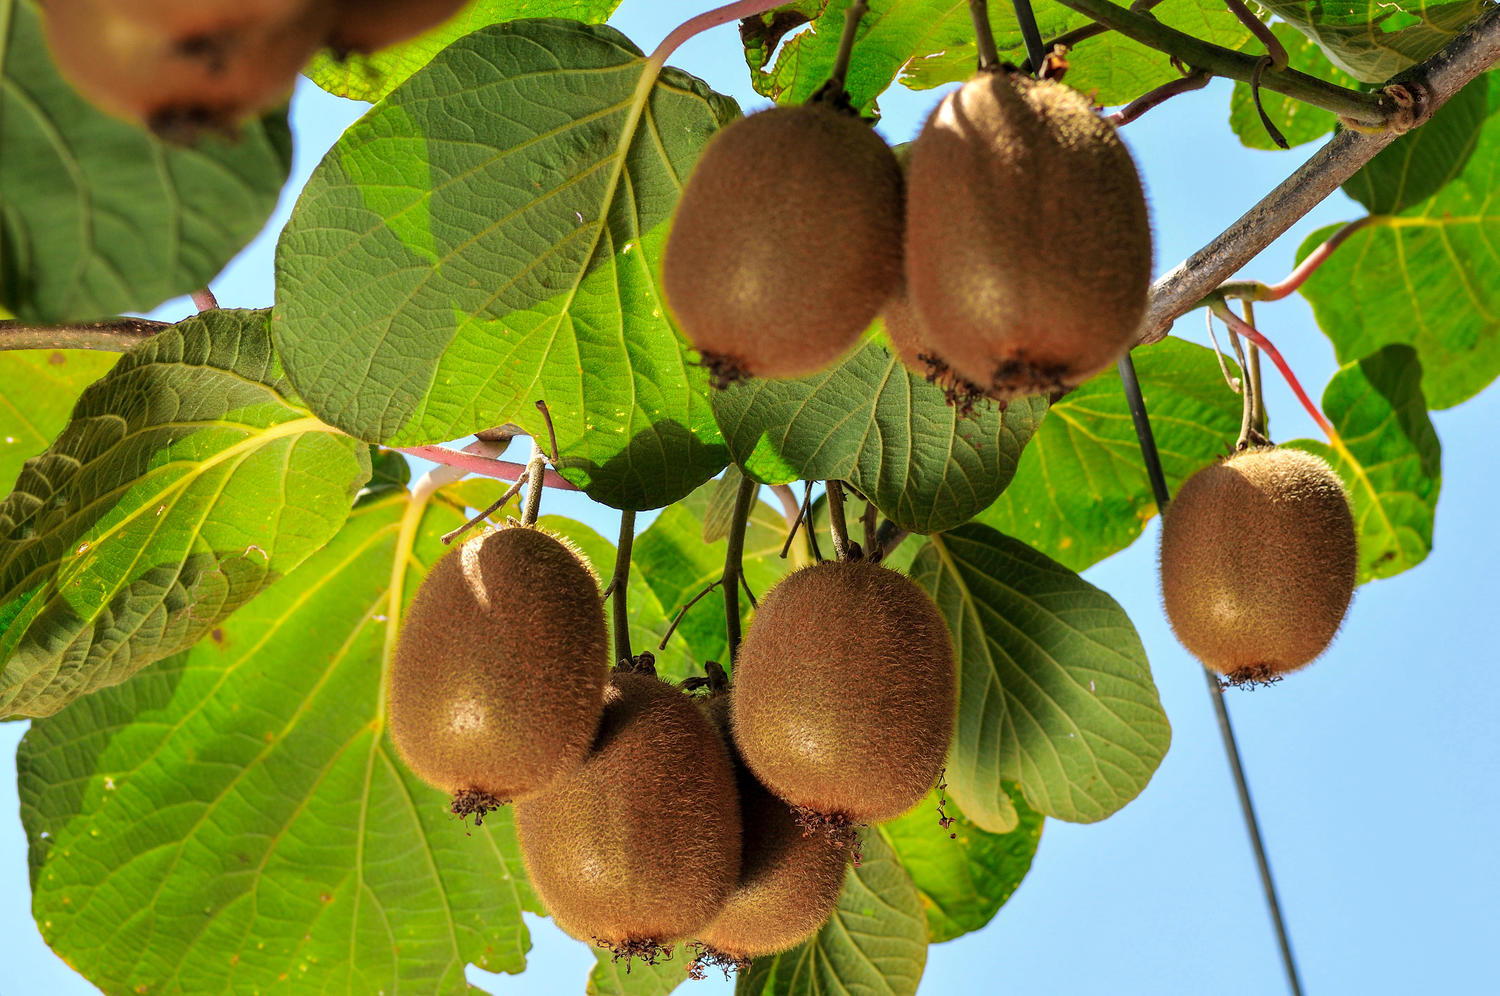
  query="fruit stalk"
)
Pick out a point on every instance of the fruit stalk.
point(536, 472)
point(1236, 324)
point(472, 459)
point(1196, 80)
point(838, 525)
point(984, 38)
point(732, 557)
point(852, 16)
point(620, 583)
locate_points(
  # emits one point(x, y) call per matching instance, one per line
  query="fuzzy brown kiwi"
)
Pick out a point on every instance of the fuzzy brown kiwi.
point(789, 880)
point(181, 85)
point(909, 340)
point(497, 682)
point(640, 847)
point(786, 242)
point(844, 692)
point(368, 25)
point(1028, 245)
point(1258, 562)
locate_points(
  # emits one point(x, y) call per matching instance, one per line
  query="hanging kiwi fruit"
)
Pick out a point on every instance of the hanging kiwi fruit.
point(497, 682)
point(1028, 246)
point(786, 242)
point(844, 694)
point(640, 847)
point(1258, 562)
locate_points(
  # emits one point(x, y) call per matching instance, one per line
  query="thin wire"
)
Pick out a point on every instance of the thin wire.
point(1215, 693)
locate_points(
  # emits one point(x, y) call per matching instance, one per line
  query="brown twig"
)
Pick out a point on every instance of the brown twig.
point(1196, 80)
point(118, 335)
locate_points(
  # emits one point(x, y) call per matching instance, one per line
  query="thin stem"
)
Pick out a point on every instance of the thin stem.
point(984, 38)
point(620, 584)
point(796, 523)
point(684, 610)
point(204, 300)
point(510, 493)
point(1251, 290)
point(118, 335)
point(732, 557)
point(1252, 377)
point(807, 517)
point(754, 604)
point(1262, 32)
point(737, 11)
point(852, 16)
point(541, 406)
point(1196, 80)
point(1371, 109)
point(867, 521)
point(1237, 324)
point(1070, 39)
point(476, 463)
point(1031, 35)
point(838, 526)
point(536, 471)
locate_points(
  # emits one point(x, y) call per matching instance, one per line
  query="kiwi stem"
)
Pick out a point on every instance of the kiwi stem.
point(118, 335)
point(867, 520)
point(510, 493)
point(1250, 290)
point(204, 300)
point(620, 584)
point(474, 459)
point(541, 406)
point(1196, 80)
point(1031, 35)
point(1371, 109)
point(1237, 324)
point(838, 526)
point(684, 611)
point(536, 470)
point(1163, 496)
point(853, 14)
point(732, 557)
point(984, 38)
point(1256, 429)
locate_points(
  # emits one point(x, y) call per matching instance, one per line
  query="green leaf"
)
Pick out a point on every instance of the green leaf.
point(188, 479)
point(1392, 461)
point(486, 237)
point(720, 512)
point(612, 977)
point(371, 77)
point(885, 430)
point(37, 391)
point(963, 874)
point(1081, 492)
point(1423, 271)
point(875, 944)
point(928, 43)
point(1373, 40)
point(1298, 122)
point(1054, 690)
point(235, 819)
point(99, 217)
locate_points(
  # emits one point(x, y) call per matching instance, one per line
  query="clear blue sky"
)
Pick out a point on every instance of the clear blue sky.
point(1374, 770)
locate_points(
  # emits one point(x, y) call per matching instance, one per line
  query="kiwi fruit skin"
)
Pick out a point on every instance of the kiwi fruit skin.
point(844, 691)
point(1028, 242)
point(641, 845)
point(368, 25)
point(497, 681)
point(1258, 562)
point(786, 242)
point(789, 880)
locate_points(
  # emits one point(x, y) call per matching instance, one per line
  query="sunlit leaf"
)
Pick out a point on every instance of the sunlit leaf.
point(38, 389)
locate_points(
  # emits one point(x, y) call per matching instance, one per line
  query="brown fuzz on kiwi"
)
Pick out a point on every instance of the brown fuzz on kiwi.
point(844, 691)
point(369, 25)
point(909, 341)
point(786, 242)
point(640, 847)
point(1258, 562)
point(789, 880)
point(497, 683)
point(1028, 246)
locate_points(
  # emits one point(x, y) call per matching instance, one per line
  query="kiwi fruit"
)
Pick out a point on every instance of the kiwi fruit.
point(497, 682)
point(640, 847)
point(1028, 246)
point(789, 880)
point(844, 693)
point(786, 242)
point(368, 25)
point(1258, 562)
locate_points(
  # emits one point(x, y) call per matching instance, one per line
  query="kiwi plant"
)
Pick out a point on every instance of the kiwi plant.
point(844, 693)
point(786, 242)
point(1258, 561)
point(497, 682)
point(640, 847)
point(1028, 247)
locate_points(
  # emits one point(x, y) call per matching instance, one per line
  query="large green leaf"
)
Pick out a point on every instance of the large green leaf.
point(1054, 690)
point(1081, 491)
point(188, 479)
point(875, 944)
point(1392, 460)
point(99, 217)
point(1297, 122)
point(614, 976)
point(927, 43)
point(370, 77)
point(37, 391)
point(236, 820)
point(963, 874)
point(487, 237)
point(888, 432)
point(1424, 270)
point(1375, 39)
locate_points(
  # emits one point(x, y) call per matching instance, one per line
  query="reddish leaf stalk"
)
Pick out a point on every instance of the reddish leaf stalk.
point(1196, 80)
point(477, 463)
point(1253, 291)
point(1244, 328)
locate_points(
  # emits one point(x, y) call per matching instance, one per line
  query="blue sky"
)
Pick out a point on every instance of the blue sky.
point(1373, 770)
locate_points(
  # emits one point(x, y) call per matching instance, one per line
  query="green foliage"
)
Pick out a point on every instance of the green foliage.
point(1373, 40)
point(37, 391)
point(98, 217)
point(512, 260)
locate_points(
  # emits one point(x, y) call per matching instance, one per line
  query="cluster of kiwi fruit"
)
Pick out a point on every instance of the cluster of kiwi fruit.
point(1258, 562)
point(1013, 256)
point(647, 814)
point(182, 67)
